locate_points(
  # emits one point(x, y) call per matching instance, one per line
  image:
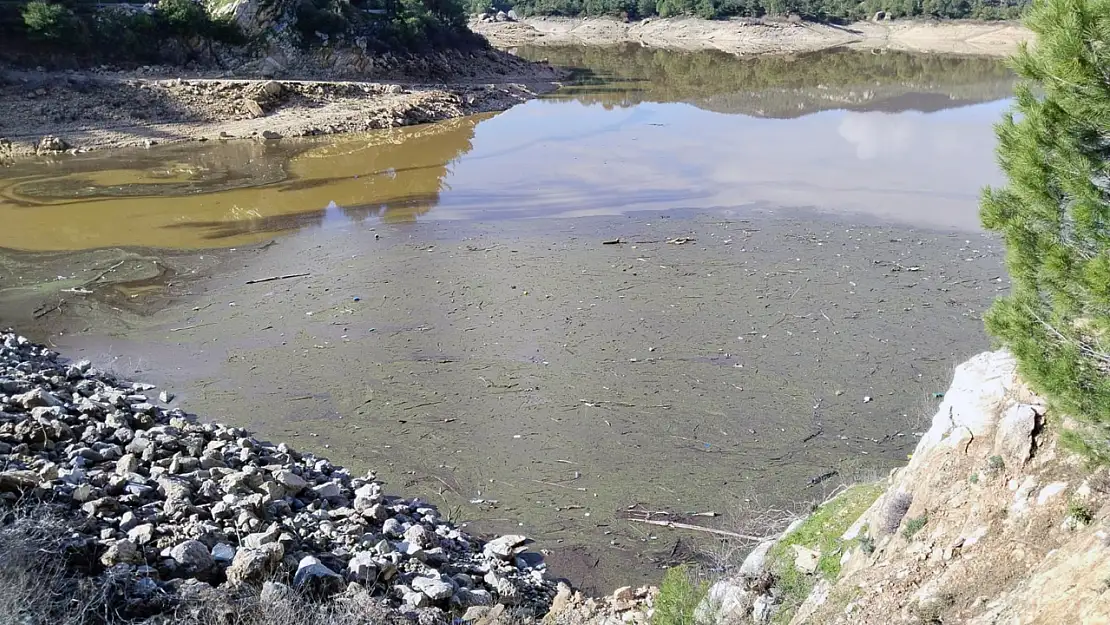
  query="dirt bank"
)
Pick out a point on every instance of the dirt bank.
point(750, 36)
point(89, 111)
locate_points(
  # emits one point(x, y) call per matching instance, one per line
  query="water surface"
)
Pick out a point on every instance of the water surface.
point(890, 135)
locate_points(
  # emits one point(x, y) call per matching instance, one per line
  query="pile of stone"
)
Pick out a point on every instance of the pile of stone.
point(170, 502)
point(624, 606)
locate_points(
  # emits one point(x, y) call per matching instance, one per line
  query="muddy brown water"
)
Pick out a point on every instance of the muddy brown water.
point(793, 283)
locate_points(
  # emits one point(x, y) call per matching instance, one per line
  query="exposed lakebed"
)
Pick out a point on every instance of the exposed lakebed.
point(799, 268)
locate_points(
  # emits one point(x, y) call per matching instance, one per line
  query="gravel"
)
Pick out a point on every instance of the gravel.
point(167, 501)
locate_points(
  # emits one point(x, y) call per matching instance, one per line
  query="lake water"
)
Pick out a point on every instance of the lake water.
point(798, 234)
point(891, 135)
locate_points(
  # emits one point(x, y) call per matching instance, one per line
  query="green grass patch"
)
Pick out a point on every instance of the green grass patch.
point(679, 596)
point(914, 526)
point(1080, 511)
point(820, 532)
point(1088, 442)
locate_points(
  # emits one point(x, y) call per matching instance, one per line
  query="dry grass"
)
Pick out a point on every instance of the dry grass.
point(896, 508)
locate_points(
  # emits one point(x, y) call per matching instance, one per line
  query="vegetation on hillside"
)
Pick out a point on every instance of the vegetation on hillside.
point(1054, 214)
point(111, 33)
point(186, 30)
point(820, 532)
point(823, 10)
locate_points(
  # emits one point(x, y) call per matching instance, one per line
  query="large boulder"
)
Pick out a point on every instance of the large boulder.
point(254, 17)
point(314, 578)
point(192, 556)
point(252, 566)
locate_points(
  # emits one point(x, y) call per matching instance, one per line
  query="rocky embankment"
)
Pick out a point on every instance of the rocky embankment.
point(169, 508)
point(758, 36)
point(48, 113)
point(992, 521)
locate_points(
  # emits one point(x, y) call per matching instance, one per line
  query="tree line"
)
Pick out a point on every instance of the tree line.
point(816, 10)
point(180, 31)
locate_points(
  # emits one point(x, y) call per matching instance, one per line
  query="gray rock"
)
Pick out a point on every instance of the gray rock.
point(754, 562)
point(327, 490)
point(128, 521)
point(274, 592)
point(392, 527)
point(762, 608)
point(141, 534)
point(362, 567)
point(251, 566)
point(37, 397)
point(376, 512)
point(506, 547)
point(127, 464)
point(122, 552)
point(1014, 441)
point(258, 539)
point(290, 480)
point(728, 601)
point(417, 600)
point(468, 597)
point(314, 578)
point(193, 556)
point(83, 492)
point(223, 553)
point(806, 559)
point(435, 588)
point(418, 535)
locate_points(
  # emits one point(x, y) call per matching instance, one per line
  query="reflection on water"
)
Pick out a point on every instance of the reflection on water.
point(891, 135)
point(192, 196)
point(780, 86)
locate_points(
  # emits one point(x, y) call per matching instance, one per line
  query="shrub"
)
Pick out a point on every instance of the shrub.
point(1054, 212)
point(679, 596)
point(913, 526)
point(1080, 511)
point(50, 22)
point(125, 34)
point(896, 508)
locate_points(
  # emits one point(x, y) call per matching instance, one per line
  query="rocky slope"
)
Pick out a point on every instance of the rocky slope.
point(755, 36)
point(990, 522)
point(165, 507)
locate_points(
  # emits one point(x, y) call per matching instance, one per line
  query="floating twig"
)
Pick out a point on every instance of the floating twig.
point(559, 485)
point(272, 278)
point(699, 528)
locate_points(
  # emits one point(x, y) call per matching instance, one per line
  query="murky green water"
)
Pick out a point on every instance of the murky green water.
point(798, 233)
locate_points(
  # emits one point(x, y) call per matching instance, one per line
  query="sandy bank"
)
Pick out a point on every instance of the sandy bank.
point(89, 111)
point(749, 36)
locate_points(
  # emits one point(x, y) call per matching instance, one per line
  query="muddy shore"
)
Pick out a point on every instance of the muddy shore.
point(753, 36)
point(100, 110)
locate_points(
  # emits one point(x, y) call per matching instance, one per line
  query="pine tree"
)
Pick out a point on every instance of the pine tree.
point(1054, 212)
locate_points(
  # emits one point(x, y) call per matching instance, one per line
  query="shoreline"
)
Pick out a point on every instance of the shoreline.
point(90, 110)
point(762, 36)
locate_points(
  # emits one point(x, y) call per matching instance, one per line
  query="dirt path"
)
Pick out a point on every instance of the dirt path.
point(748, 36)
